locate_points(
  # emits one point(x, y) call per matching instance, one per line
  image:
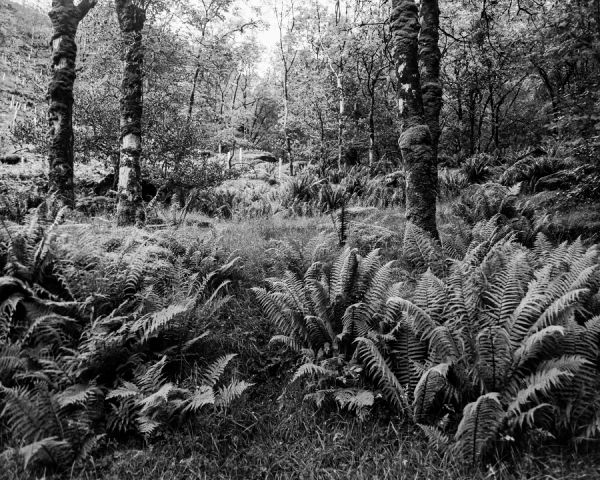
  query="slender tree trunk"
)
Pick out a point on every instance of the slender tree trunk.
point(372, 129)
point(65, 18)
point(193, 93)
point(415, 138)
point(131, 22)
point(286, 113)
point(341, 113)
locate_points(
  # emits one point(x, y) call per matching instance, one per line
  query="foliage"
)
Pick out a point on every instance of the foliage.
point(104, 342)
point(510, 334)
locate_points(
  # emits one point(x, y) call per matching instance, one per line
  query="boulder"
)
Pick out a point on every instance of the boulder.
point(11, 159)
point(102, 188)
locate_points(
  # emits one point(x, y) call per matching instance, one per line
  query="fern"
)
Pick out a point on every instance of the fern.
point(430, 392)
point(227, 394)
point(480, 422)
point(381, 373)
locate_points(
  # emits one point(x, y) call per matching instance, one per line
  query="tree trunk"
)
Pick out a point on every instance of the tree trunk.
point(415, 138)
point(341, 112)
point(286, 113)
point(193, 94)
point(429, 65)
point(131, 22)
point(65, 18)
point(372, 129)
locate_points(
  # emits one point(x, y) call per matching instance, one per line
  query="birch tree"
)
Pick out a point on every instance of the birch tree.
point(131, 15)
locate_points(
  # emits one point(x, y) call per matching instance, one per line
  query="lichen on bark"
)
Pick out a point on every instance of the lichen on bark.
point(131, 17)
point(416, 141)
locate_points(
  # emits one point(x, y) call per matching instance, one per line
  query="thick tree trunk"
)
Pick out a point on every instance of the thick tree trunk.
point(65, 18)
point(131, 22)
point(429, 63)
point(415, 141)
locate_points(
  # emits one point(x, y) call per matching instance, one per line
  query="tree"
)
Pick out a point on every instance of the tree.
point(416, 142)
point(288, 57)
point(131, 15)
point(429, 67)
point(65, 17)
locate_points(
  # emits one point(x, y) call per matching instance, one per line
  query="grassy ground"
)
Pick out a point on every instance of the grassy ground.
point(263, 438)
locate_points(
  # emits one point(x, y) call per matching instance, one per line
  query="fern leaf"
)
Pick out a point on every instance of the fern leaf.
point(228, 393)
point(127, 390)
point(213, 372)
point(311, 369)
point(419, 320)
point(429, 392)
point(158, 398)
point(495, 359)
point(478, 428)
point(288, 341)
point(48, 451)
point(202, 396)
point(378, 369)
point(437, 439)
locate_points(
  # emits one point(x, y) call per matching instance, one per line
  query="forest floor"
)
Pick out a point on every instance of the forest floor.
point(263, 438)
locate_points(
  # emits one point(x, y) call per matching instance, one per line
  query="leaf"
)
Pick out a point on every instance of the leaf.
point(203, 395)
point(432, 384)
point(478, 428)
point(313, 370)
point(47, 451)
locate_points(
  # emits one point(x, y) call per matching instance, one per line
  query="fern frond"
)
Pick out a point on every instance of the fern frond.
point(549, 376)
point(127, 390)
point(312, 369)
point(156, 399)
point(22, 414)
point(419, 249)
point(381, 373)
point(437, 439)
point(430, 391)
point(288, 341)
point(430, 295)
point(478, 428)
point(152, 324)
point(78, 394)
point(49, 451)
point(213, 372)
point(493, 347)
point(202, 396)
point(419, 320)
point(534, 342)
point(354, 399)
point(227, 394)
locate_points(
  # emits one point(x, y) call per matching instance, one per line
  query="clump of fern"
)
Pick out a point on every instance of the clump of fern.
point(105, 341)
point(336, 321)
point(512, 345)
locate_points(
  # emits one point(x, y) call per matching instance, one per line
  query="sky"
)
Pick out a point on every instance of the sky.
point(267, 34)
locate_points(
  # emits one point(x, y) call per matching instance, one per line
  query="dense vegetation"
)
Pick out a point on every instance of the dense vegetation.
point(226, 265)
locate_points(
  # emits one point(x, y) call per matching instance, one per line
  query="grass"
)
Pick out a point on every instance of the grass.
point(258, 441)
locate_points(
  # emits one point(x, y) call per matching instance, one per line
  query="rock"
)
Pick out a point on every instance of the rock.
point(266, 158)
point(11, 159)
point(107, 183)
